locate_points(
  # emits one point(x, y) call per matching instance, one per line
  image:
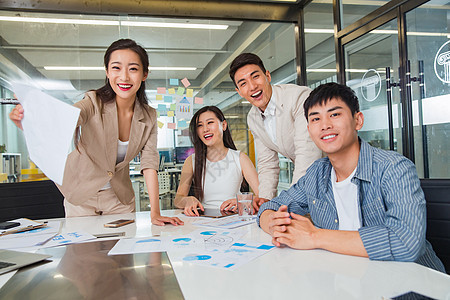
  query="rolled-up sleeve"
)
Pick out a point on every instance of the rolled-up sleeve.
point(402, 236)
point(294, 198)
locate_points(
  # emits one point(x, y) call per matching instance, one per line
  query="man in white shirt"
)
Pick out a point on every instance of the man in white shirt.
point(276, 122)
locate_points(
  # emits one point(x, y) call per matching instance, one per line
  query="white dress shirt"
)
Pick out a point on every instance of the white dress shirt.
point(269, 118)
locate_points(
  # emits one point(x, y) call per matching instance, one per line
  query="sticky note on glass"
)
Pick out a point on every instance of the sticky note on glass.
point(173, 106)
point(161, 90)
point(162, 107)
point(171, 125)
point(171, 91)
point(180, 91)
point(182, 124)
point(173, 81)
point(198, 100)
point(168, 99)
point(170, 113)
point(185, 82)
point(159, 97)
point(189, 93)
point(160, 124)
point(158, 114)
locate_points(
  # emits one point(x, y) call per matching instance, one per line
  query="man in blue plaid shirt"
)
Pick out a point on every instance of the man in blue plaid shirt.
point(362, 200)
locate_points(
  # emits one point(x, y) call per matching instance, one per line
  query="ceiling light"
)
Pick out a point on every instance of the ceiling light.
point(114, 23)
point(346, 70)
point(319, 30)
point(79, 68)
point(382, 31)
point(173, 25)
point(60, 21)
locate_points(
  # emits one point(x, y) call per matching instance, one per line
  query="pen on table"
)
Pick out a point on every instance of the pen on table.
point(111, 234)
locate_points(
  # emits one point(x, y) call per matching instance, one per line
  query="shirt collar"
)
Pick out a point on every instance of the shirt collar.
point(365, 161)
point(363, 168)
point(271, 107)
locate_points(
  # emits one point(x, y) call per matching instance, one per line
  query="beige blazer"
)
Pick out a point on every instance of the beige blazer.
point(293, 139)
point(90, 168)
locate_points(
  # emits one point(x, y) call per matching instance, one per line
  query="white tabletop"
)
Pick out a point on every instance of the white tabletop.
point(281, 273)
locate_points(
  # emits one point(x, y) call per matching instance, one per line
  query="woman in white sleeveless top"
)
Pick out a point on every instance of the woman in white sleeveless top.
point(216, 170)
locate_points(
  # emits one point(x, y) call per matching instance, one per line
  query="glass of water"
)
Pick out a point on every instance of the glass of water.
point(245, 207)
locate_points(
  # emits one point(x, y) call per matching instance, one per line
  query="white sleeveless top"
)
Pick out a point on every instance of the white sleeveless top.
point(223, 179)
point(121, 152)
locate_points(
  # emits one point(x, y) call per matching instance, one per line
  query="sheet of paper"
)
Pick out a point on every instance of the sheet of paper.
point(189, 92)
point(168, 99)
point(161, 90)
point(69, 238)
point(180, 91)
point(230, 222)
point(198, 100)
point(202, 239)
point(235, 256)
point(36, 237)
point(137, 245)
point(171, 125)
point(173, 81)
point(159, 97)
point(185, 82)
point(24, 224)
point(48, 126)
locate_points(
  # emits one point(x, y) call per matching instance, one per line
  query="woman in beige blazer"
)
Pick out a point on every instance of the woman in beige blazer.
point(115, 124)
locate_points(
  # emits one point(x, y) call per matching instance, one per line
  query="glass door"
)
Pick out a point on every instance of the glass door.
point(428, 45)
point(366, 62)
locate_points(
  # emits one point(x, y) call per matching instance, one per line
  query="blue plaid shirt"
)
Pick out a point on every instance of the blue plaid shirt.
point(391, 205)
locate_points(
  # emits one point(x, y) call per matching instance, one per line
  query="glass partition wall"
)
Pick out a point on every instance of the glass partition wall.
point(352, 42)
point(396, 61)
point(62, 55)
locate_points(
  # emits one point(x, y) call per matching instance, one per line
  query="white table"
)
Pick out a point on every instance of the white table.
point(282, 273)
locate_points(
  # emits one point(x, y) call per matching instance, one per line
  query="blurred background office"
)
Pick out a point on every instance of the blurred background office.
point(57, 46)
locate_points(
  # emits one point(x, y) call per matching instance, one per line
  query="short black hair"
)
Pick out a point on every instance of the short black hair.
point(325, 92)
point(242, 60)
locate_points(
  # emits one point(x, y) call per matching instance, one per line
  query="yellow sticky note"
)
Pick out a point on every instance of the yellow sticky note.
point(170, 113)
point(160, 124)
point(172, 91)
point(189, 92)
point(159, 97)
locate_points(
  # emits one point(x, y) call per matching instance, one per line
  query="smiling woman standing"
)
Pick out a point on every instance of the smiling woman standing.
point(115, 124)
point(216, 169)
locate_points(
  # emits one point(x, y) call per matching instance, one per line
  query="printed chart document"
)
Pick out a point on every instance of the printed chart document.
point(48, 125)
point(209, 247)
point(230, 222)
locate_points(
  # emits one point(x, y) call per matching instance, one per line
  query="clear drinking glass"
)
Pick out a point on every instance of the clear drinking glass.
point(245, 207)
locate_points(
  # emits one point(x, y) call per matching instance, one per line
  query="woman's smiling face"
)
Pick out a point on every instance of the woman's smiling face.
point(210, 128)
point(125, 73)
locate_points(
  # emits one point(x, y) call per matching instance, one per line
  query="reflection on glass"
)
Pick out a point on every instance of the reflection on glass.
point(366, 60)
point(319, 43)
point(353, 10)
point(428, 45)
point(62, 54)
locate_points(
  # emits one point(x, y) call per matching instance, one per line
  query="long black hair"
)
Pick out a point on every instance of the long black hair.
point(201, 149)
point(106, 93)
